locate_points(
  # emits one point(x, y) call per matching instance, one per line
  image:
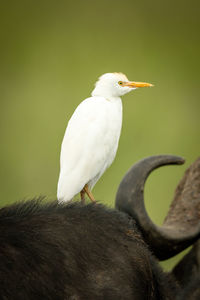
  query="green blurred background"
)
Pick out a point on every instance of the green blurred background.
point(51, 54)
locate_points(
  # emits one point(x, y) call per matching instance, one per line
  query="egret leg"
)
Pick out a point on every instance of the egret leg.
point(89, 193)
point(82, 196)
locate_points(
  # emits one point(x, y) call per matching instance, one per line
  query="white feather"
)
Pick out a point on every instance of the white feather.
point(89, 145)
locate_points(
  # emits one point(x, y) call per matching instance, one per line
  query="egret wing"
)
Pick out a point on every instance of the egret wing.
point(85, 144)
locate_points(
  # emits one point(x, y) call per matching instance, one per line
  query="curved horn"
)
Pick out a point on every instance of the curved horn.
point(164, 241)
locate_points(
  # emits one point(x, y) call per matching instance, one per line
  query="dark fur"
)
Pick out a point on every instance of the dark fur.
point(191, 291)
point(51, 251)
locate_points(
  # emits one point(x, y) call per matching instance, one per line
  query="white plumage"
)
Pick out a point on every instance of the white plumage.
point(91, 139)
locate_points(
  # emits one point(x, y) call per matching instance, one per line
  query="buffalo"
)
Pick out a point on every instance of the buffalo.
point(88, 251)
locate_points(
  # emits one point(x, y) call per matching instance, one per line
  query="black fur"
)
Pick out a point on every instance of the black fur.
point(75, 251)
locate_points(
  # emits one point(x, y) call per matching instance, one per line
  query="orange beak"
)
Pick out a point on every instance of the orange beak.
point(133, 84)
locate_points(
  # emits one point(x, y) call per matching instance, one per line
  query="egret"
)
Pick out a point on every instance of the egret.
point(91, 138)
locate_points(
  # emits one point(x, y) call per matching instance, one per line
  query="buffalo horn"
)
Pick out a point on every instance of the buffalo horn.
point(164, 241)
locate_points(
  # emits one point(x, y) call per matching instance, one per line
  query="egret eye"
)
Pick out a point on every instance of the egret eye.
point(120, 82)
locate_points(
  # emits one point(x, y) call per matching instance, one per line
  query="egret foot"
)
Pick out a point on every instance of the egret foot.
point(88, 192)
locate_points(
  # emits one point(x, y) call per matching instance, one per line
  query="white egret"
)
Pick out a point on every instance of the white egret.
point(91, 138)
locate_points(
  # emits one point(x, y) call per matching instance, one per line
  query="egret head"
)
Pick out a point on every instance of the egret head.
point(116, 85)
